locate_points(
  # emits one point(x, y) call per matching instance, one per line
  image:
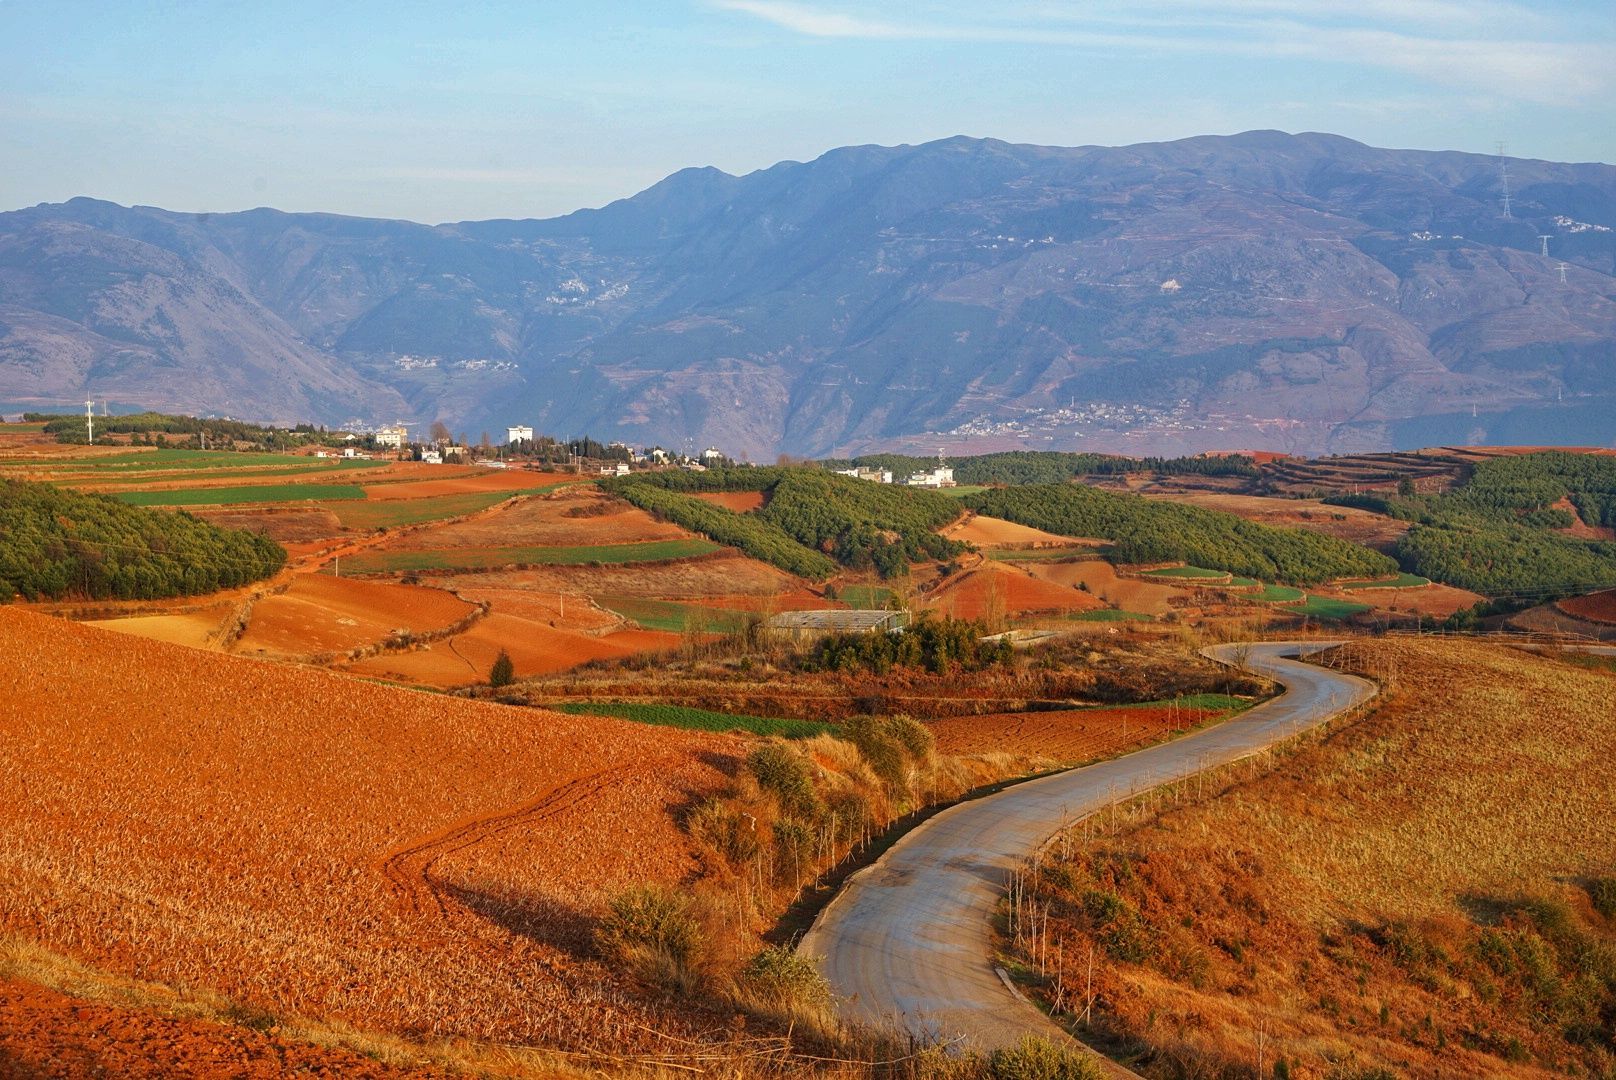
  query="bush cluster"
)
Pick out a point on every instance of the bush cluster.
point(939, 645)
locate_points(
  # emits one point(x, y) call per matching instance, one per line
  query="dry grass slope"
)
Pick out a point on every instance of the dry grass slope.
point(1339, 908)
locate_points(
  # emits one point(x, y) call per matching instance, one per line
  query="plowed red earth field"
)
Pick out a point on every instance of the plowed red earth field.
point(44, 1033)
point(1064, 735)
point(1595, 607)
point(322, 846)
point(463, 480)
point(742, 502)
point(1129, 594)
point(990, 532)
point(534, 649)
point(994, 588)
point(564, 519)
point(320, 613)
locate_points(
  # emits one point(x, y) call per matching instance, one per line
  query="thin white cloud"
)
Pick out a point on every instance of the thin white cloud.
point(1479, 46)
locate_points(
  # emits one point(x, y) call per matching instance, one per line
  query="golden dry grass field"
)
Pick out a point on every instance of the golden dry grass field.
point(1413, 893)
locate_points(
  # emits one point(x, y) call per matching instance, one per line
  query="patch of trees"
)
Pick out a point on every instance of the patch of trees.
point(1496, 534)
point(940, 645)
point(858, 524)
point(1150, 531)
point(70, 428)
point(861, 525)
point(751, 534)
point(1054, 467)
point(61, 543)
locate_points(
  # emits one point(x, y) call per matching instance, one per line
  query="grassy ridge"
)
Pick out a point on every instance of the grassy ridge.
point(1147, 531)
point(383, 562)
point(230, 496)
point(679, 716)
point(391, 513)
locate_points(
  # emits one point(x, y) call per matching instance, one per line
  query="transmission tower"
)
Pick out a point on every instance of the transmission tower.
point(1562, 272)
point(89, 411)
point(1545, 238)
point(1503, 174)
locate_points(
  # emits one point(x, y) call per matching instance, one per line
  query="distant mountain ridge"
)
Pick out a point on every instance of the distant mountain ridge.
point(1303, 292)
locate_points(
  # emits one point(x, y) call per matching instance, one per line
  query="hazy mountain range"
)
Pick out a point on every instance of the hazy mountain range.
point(1267, 290)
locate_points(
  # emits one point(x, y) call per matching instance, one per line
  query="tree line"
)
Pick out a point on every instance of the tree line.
point(1498, 533)
point(1151, 531)
point(63, 544)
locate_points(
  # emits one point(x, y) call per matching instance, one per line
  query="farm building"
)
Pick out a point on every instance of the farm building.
point(811, 625)
point(877, 476)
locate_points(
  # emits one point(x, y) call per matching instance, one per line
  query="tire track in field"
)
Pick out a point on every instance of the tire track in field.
point(408, 868)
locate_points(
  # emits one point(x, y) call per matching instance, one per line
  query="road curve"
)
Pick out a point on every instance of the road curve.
point(907, 942)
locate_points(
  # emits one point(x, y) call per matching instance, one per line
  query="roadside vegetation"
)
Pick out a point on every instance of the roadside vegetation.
point(1151, 531)
point(66, 544)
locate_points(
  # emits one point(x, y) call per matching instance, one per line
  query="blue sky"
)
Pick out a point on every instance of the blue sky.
point(428, 112)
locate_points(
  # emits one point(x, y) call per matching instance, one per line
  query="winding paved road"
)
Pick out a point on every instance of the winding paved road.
point(907, 943)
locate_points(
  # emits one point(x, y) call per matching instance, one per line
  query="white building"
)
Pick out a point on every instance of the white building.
point(519, 433)
point(940, 477)
point(393, 437)
point(711, 456)
point(876, 476)
point(431, 457)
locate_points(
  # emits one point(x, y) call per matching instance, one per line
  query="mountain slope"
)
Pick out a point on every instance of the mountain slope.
point(1296, 292)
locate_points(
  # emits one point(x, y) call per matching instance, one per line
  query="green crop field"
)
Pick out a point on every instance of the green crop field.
point(228, 496)
point(176, 476)
point(1054, 554)
point(1278, 594)
point(391, 513)
point(699, 719)
point(1242, 583)
point(673, 616)
point(383, 562)
point(1194, 573)
point(1324, 607)
point(1110, 615)
point(964, 489)
point(1401, 581)
point(864, 596)
point(143, 460)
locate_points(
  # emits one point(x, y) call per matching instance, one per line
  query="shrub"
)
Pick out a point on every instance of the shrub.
point(1034, 1058)
point(652, 928)
point(786, 980)
point(726, 829)
point(1603, 893)
point(783, 773)
point(503, 673)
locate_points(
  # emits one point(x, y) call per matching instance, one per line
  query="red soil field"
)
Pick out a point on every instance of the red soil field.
point(722, 574)
point(322, 846)
point(1595, 607)
point(1437, 600)
point(463, 480)
point(569, 518)
point(1129, 594)
point(994, 588)
point(534, 648)
point(319, 613)
point(198, 629)
point(742, 502)
point(1062, 735)
point(286, 524)
point(988, 532)
point(46, 1033)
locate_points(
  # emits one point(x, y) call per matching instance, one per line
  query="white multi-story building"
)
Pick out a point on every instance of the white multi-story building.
point(393, 437)
point(519, 433)
point(875, 476)
point(940, 477)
